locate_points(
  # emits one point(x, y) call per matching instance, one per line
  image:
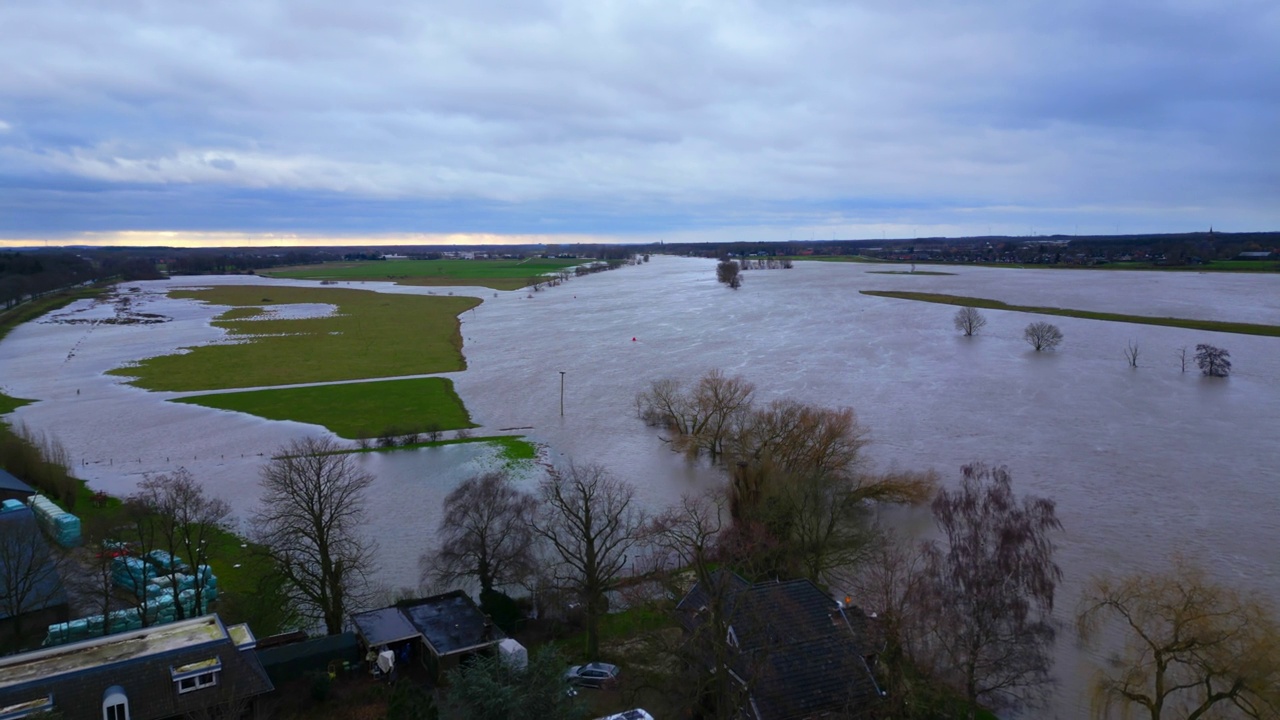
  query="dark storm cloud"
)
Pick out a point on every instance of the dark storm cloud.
point(636, 117)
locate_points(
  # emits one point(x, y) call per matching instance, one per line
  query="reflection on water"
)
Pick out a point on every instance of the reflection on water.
point(1141, 462)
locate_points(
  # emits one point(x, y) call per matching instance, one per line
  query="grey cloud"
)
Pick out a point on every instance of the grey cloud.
point(707, 106)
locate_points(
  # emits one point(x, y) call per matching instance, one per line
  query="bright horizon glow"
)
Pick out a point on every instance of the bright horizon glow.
point(177, 239)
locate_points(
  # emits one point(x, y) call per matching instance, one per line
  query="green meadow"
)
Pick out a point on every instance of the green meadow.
point(353, 410)
point(9, 404)
point(496, 274)
point(1210, 325)
point(371, 335)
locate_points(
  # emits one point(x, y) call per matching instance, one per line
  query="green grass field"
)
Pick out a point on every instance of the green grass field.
point(354, 410)
point(1210, 325)
point(496, 274)
point(371, 336)
point(9, 404)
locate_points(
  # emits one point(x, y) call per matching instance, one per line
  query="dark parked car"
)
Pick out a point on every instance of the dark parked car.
point(593, 675)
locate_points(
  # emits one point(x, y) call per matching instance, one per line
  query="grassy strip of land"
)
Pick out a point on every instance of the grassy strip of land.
point(496, 274)
point(354, 410)
point(1209, 325)
point(843, 258)
point(907, 272)
point(9, 404)
point(32, 309)
point(371, 335)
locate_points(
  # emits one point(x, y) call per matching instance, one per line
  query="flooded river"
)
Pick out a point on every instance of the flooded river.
point(1141, 462)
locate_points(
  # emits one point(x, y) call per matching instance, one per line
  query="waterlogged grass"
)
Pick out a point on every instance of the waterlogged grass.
point(371, 335)
point(513, 450)
point(496, 274)
point(1209, 325)
point(9, 404)
point(353, 410)
point(32, 309)
point(907, 272)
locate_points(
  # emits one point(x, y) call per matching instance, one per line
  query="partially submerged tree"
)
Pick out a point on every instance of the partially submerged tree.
point(485, 534)
point(969, 321)
point(729, 273)
point(312, 521)
point(590, 521)
point(701, 417)
point(797, 477)
point(988, 588)
point(1192, 647)
point(1042, 335)
point(1213, 361)
point(1131, 353)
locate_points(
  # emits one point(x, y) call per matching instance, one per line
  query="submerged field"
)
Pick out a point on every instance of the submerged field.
point(496, 274)
point(365, 335)
point(354, 410)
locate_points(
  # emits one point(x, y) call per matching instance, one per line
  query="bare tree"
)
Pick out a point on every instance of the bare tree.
point(591, 522)
point(484, 534)
point(700, 418)
point(1192, 648)
point(1213, 361)
point(1131, 353)
point(311, 520)
point(1182, 357)
point(688, 535)
point(969, 321)
point(729, 273)
point(891, 584)
point(30, 575)
point(1042, 335)
point(989, 588)
point(185, 520)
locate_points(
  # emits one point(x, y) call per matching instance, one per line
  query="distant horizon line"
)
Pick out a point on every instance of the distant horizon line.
point(266, 241)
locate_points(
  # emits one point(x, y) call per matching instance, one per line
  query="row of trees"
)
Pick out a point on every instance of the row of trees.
point(1213, 361)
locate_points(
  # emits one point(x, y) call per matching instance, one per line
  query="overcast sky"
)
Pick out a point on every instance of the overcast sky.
point(635, 120)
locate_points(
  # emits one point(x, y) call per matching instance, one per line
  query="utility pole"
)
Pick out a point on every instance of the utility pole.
point(561, 393)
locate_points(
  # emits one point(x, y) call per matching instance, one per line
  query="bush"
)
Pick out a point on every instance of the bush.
point(321, 683)
point(504, 610)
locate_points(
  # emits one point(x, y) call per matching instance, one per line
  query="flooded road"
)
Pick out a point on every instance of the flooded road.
point(1141, 462)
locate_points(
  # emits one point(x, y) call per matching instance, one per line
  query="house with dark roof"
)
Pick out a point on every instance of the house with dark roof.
point(11, 488)
point(191, 667)
point(794, 653)
point(440, 630)
point(32, 595)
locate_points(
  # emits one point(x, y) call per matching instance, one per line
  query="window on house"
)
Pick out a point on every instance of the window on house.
point(115, 704)
point(196, 682)
point(197, 675)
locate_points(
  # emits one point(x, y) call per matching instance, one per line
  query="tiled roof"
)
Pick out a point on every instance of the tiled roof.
point(799, 652)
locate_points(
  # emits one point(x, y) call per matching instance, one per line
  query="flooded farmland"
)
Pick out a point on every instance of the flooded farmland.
point(1141, 462)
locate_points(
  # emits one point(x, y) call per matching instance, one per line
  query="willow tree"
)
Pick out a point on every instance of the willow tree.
point(1192, 647)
